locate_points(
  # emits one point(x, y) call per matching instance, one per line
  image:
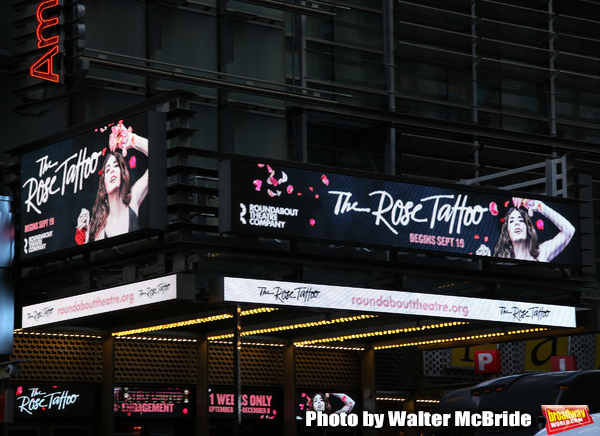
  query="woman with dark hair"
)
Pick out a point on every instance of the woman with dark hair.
point(518, 236)
point(320, 403)
point(117, 204)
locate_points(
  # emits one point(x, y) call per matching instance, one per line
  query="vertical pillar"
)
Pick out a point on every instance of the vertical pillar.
point(237, 371)
point(409, 407)
point(368, 388)
point(390, 151)
point(473, 94)
point(202, 416)
point(289, 390)
point(552, 79)
point(299, 121)
point(389, 52)
point(107, 421)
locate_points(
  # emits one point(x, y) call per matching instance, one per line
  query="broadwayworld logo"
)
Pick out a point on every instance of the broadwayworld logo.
point(562, 418)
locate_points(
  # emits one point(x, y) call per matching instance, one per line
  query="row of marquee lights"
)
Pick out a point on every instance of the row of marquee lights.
point(316, 343)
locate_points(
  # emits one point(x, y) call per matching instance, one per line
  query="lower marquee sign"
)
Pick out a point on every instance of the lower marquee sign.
point(109, 300)
point(278, 293)
point(45, 401)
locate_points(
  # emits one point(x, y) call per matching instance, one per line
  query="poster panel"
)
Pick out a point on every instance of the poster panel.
point(94, 186)
point(289, 202)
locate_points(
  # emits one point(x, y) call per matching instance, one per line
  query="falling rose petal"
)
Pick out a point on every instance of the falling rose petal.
point(284, 178)
point(316, 195)
point(476, 236)
point(271, 193)
point(493, 208)
point(258, 184)
point(506, 203)
point(311, 188)
point(290, 189)
point(19, 390)
point(502, 219)
point(299, 194)
point(273, 181)
point(103, 151)
point(486, 238)
point(312, 222)
point(260, 165)
point(278, 192)
point(325, 180)
point(132, 162)
point(269, 169)
point(100, 172)
point(540, 224)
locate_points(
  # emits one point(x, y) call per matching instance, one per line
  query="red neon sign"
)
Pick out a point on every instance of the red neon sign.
point(43, 68)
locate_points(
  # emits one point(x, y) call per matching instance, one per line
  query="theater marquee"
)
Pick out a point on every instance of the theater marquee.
point(287, 202)
point(314, 296)
point(123, 297)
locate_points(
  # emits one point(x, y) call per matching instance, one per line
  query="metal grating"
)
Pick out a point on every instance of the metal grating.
point(394, 368)
point(581, 346)
point(59, 358)
point(328, 369)
point(260, 365)
point(142, 361)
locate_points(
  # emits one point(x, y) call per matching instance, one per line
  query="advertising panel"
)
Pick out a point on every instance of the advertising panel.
point(54, 401)
point(94, 186)
point(7, 249)
point(278, 293)
point(109, 300)
point(283, 201)
point(255, 403)
point(153, 402)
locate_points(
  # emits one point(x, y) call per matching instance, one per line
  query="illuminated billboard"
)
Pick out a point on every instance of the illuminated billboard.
point(288, 202)
point(155, 402)
point(7, 249)
point(54, 401)
point(255, 403)
point(315, 296)
point(103, 183)
point(168, 288)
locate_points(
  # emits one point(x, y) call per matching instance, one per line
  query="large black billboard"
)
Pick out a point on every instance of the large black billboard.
point(287, 202)
point(96, 185)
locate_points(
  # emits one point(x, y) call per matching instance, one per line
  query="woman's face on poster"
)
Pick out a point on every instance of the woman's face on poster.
point(112, 174)
point(517, 228)
point(318, 403)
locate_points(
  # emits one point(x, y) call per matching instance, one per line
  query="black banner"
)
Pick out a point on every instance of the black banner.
point(90, 187)
point(287, 202)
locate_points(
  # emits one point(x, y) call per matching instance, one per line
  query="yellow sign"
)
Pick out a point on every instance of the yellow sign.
point(538, 352)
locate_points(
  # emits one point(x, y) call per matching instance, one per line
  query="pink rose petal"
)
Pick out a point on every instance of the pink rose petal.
point(540, 224)
point(258, 184)
point(312, 222)
point(325, 180)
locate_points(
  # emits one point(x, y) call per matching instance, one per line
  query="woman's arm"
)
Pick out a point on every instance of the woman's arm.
point(551, 248)
point(348, 403)
point(139, 190)
point(124, 138)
